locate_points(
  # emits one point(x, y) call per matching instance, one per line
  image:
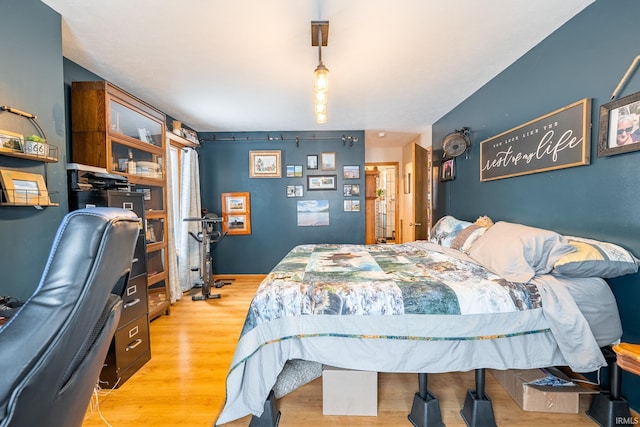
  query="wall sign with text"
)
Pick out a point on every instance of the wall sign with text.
point(560, 139)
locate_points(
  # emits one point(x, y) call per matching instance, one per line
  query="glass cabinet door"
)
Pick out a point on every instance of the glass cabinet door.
point(126, 121)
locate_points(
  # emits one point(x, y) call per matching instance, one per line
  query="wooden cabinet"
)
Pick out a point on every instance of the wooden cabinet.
point(114, 130)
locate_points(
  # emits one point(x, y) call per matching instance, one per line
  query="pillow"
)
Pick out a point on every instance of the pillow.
point(593, 258)
point(457, 234)
point(446, 229)
point(518, 252)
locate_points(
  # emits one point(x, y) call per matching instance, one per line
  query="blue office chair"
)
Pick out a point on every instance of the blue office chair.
point(52, 350)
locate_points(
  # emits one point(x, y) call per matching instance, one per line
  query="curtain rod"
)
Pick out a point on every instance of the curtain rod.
point(344, 138)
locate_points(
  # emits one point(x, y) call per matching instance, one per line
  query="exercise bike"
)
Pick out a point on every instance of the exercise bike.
point(207, 237)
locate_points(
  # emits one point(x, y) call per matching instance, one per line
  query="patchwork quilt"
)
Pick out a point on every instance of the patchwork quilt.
point(413, 307)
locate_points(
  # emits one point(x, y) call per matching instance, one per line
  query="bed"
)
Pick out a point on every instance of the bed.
point(500, 296)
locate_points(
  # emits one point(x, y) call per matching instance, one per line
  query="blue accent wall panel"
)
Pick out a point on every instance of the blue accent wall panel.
point(585, 58)
point(224, 167)
point(31, 81)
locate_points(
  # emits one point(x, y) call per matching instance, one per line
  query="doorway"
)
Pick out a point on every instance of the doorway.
point(386, 203)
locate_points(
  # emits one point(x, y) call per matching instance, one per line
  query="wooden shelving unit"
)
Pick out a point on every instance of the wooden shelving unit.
point(114, 130)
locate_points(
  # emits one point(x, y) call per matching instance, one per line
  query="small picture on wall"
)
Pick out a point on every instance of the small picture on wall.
point(351, 206)
point(448, 172)
point(328, 161)
point(294, 171)
point(351, 172)
point(312, 161)
point(313, 213)
point(349, 190)
point(295, 191)
point(619, 131)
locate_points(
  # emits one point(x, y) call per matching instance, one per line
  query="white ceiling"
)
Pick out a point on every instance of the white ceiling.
point(247, 65)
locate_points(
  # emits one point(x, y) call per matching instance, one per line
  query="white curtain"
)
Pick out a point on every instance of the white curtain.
point(190, 204)
point(172, 181)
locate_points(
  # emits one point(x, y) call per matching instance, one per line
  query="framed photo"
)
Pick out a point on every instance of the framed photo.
point(349, 190)
point(264, 164)
point(448, 172)
point(328, 161)
point(618, 131)
point(295, 191)
point(22, 188)
point(351, 206)
point(11, 142)
point(236, 213)
point(351, 172)
point(312, 161)
point(294, 171)
point(321, 182)
point(312, 213)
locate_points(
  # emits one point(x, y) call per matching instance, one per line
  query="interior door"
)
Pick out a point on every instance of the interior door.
point(416, 222)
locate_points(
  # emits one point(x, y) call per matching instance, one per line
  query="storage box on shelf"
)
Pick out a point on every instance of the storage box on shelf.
point(114, 130)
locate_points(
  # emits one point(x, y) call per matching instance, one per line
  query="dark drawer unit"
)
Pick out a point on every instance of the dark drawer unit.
point(130, 348)
point(129, 351)
point(134, 300)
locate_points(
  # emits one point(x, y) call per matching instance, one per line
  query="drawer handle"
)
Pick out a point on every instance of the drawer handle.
point(133, 261)
point(133, 345)
point(132, 303)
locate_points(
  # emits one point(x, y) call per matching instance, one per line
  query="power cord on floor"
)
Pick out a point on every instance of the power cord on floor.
point(99, 392)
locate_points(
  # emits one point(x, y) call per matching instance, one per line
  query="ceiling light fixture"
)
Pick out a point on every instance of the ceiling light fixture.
point(320, 37)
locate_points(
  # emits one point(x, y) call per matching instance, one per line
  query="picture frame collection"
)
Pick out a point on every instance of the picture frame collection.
point(321, 175)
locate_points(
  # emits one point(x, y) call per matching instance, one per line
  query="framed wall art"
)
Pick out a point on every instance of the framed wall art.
point(557, 140)
point(295, 191)
point(294, 171)
point(236, 213)
point(618, 130)
point(312, 161)
point(349, 190)
point(11, 142)
point(448, 171)
point(23, 188)
point(351, 172)
point(313, 213)
point(328, 161)
point(321, 182)
point(264, 164)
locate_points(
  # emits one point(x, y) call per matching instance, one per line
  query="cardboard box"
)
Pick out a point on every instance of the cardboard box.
point(520, 384)
point(347, 392)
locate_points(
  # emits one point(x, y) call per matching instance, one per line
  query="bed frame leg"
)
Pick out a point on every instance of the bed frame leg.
point(425, 411)
point(271, 415)
point(477, 410)
point(608, 407)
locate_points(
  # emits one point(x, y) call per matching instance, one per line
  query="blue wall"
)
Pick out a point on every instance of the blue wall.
point(585, 58)
point(31, 80)
point(224, 167)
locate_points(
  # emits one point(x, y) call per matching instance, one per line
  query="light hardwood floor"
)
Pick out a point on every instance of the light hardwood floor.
point(184, 382)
